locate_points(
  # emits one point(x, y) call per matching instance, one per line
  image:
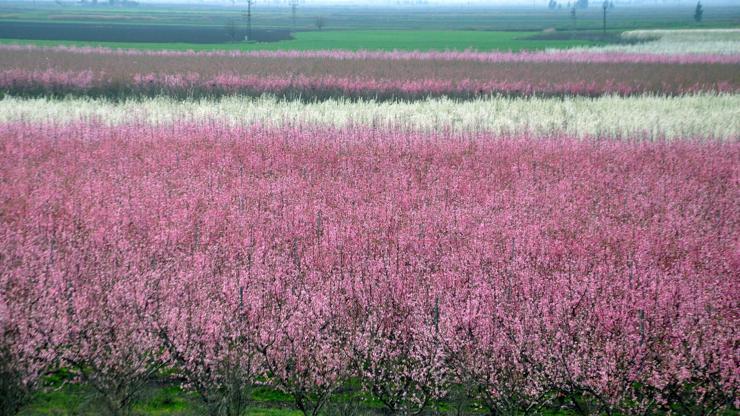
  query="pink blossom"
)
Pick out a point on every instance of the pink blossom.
point(531, 270)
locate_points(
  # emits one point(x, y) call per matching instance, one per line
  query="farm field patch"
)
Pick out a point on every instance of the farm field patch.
point(216, 39)
point(712, 41)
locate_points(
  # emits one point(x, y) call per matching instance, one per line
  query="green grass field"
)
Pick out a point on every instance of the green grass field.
point(463, 17)
point(156, 401)
point(170, 400)
point(360, 39)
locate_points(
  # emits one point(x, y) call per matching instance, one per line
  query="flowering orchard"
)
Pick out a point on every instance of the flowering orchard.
point(600, 276)
point(375, 232)
point(699, 116)
point(368, 75)
point(51, 82)
point(697, 43)
point(699, 46)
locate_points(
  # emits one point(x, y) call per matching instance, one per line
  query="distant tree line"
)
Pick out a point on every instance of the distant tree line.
point(578, 4)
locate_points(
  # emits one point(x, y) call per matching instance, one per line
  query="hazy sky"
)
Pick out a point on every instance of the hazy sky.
point(683, 3)
point(454, 2)
point(442, 2)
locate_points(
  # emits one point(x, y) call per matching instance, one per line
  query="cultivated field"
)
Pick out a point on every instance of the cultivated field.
point(204, 27)
point(370, 232)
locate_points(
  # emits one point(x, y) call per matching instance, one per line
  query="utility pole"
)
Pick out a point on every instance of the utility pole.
point(293, 7)
point(573, 16)
point(606, 6)
point(249, 19)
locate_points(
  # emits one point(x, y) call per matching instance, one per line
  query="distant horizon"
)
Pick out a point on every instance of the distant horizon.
point(409, 3)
